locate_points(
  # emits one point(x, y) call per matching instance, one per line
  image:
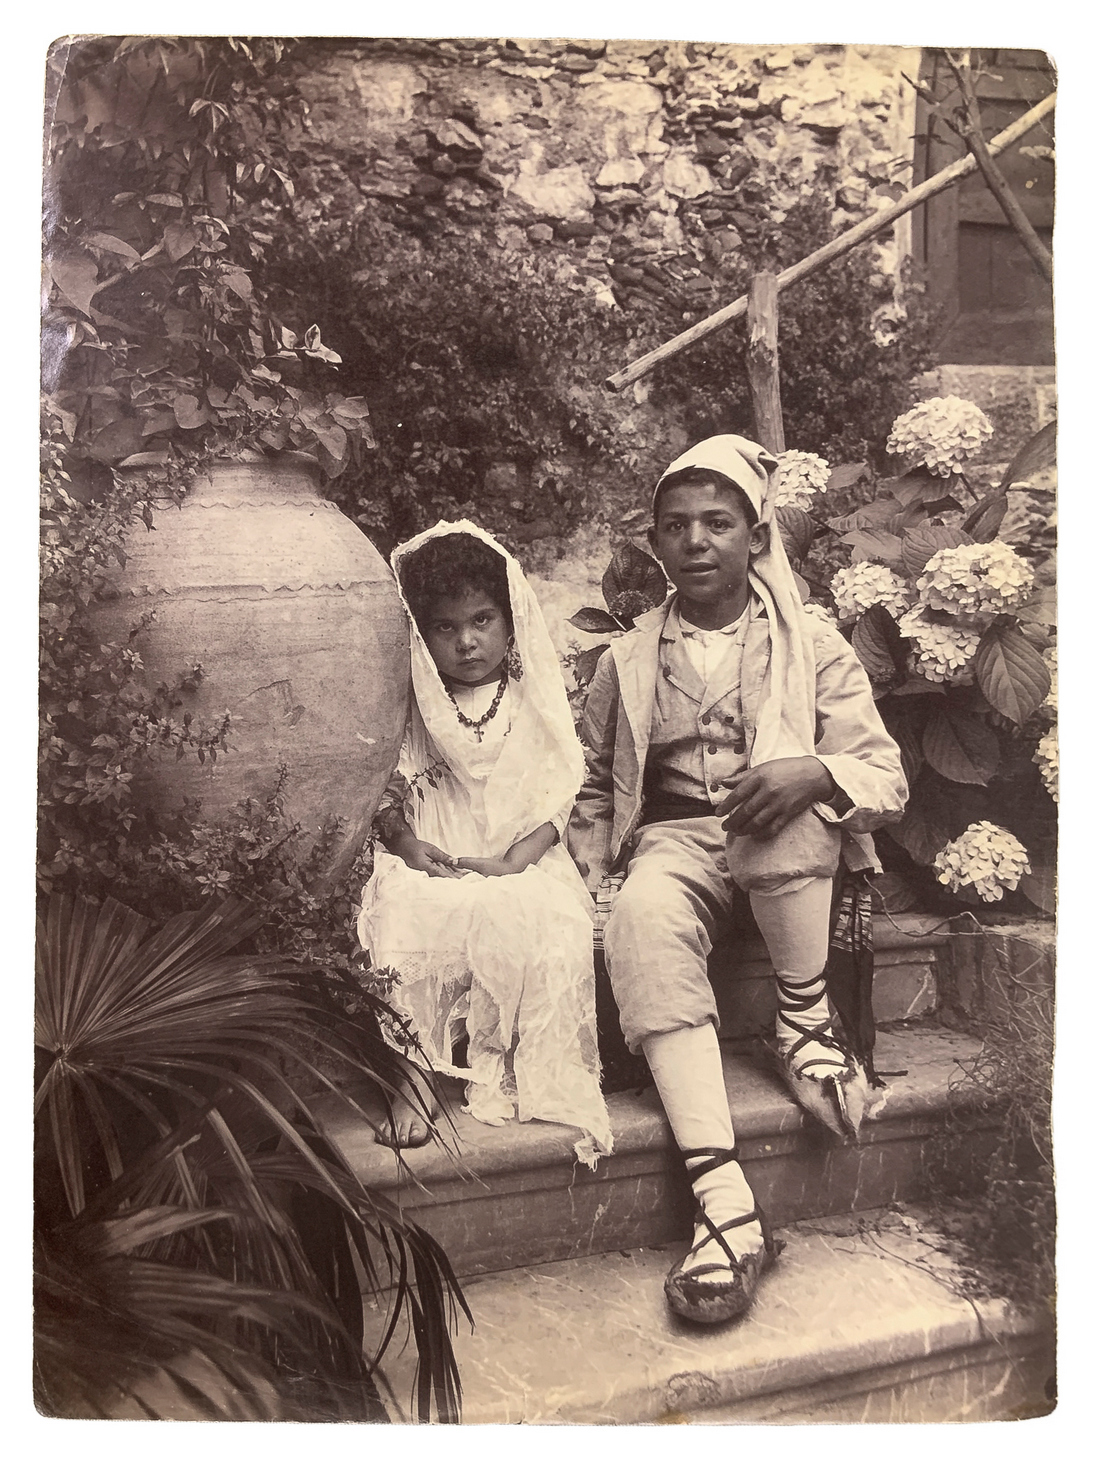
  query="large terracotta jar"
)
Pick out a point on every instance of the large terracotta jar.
point(296, 620)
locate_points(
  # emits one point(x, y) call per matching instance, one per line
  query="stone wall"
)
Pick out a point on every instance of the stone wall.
point(650, 161)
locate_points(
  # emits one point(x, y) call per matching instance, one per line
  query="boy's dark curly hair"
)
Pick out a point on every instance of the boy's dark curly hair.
point(450, 566)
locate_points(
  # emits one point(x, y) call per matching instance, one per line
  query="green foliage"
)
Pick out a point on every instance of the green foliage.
point(167, 156)
point(481, 365)
point(196, 1238)
point(98, 723)
point(632, 584)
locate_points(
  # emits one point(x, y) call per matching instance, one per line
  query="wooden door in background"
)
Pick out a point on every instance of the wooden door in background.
point(995, 306)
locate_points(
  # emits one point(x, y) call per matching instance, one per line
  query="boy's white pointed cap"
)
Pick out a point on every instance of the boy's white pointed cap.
point(736, 458)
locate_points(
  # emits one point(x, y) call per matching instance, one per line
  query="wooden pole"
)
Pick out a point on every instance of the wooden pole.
point(996, 181)
point(865, 229)
point(763, 361)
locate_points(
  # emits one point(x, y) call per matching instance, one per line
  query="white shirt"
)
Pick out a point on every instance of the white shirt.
point(708, 650)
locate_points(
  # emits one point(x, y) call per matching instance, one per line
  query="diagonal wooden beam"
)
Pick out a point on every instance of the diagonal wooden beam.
point(865, 229)
point(996, 181)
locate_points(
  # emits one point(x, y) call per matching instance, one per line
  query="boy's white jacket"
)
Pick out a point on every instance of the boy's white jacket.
point(851, 741)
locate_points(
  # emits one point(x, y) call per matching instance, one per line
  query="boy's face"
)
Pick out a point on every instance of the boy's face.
point(467, 636)
point(703, 539)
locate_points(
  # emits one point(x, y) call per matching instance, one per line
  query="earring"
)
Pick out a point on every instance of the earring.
point(513, 662)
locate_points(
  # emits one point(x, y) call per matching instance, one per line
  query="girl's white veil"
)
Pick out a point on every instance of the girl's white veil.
point(541, 765)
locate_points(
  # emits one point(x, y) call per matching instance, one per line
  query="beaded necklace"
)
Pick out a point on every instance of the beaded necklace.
point(478, 726)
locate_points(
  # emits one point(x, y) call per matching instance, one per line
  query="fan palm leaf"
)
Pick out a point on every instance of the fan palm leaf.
point(173, 1133)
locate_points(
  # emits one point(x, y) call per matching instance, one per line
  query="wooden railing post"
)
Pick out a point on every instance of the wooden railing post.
point(763, 361)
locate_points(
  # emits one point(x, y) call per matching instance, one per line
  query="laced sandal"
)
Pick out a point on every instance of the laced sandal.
point(841, 1099)
point(694, 1292)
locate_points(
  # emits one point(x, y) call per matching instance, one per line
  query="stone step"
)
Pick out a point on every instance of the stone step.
point(515, 1196)
point(865, 1318)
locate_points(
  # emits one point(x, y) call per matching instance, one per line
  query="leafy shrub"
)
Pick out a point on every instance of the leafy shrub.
point(484, 362)
point(165, 157)
point(850, 343)
point(482, 367)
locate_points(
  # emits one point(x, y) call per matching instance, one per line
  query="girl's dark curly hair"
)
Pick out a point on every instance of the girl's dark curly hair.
point(452, 565)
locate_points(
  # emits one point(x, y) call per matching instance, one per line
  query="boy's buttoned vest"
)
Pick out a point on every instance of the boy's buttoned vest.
point(697, 734)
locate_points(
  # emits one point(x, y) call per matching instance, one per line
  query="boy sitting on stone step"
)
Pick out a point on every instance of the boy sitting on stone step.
point(727, 703)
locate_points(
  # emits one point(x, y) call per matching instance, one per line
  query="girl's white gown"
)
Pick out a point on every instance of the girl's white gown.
point(506, 960)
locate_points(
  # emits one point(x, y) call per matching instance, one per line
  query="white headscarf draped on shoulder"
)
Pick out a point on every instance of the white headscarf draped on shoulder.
point(541, 766)
point(786, 723)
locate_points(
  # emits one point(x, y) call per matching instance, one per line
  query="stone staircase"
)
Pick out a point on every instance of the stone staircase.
point(864, 1317)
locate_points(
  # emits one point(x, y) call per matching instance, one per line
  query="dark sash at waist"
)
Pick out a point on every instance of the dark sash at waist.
point(661, 806)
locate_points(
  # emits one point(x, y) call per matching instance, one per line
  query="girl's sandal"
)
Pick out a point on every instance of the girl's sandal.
point(696, 1293)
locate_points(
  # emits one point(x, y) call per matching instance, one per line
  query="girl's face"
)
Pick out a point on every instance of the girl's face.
point(467, 635)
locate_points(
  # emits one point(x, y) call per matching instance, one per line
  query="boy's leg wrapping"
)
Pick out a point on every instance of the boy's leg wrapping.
point(656, 942)
point(793, 917)
point(687, 1069)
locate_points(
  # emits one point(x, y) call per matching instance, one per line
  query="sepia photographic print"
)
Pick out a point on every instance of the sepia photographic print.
point(548, 755)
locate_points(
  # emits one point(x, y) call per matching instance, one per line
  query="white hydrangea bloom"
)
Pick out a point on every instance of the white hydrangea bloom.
point(1046, 755)
point(976, 579)
point(798, 477)
point(985, 858)
point(1050, 656)
point(941, 653)
point(940, 434)
point(857, 587)
point(819, 612)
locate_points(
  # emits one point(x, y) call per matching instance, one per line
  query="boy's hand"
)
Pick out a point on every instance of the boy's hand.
point(418, 854)
point(762, 801)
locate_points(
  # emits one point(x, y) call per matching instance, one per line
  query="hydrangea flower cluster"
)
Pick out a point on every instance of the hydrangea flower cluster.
point(798, 477)
point(857, 587)
point(976, 579)
point(985, 858)
point(940, 434)
point(819, 612)
point(941, 653)
point(1046, 755)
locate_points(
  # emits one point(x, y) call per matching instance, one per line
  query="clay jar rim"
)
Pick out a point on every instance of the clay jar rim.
point(294, 472)
point(291, 476)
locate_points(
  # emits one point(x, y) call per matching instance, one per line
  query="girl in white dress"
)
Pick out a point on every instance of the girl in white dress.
point(474, 901)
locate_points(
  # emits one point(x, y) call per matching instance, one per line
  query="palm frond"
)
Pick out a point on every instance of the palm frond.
point(124, 1337)
point(172, 1123)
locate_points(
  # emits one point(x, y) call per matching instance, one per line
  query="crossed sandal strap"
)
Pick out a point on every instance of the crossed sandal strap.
point(716, 1157)
point(797, 997)
point(771, 1246)
point(821, 1034)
